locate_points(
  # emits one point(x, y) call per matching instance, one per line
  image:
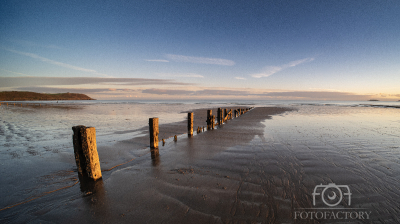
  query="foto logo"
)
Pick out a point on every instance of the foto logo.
point(331, 194)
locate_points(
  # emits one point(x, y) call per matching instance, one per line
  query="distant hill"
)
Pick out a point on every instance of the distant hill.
point(32, 96)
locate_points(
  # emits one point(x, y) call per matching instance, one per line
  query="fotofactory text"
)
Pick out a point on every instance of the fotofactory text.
point(336, 200)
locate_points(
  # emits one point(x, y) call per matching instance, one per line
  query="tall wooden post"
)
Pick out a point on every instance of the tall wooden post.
point(209, 116)
point(213, 122)
point(153, 130)
point(225, 114)
point(219, 116)
point(230, 114)
point(190, 124)
point(85, 150)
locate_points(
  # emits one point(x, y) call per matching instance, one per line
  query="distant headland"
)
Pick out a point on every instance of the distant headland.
point(32, 96)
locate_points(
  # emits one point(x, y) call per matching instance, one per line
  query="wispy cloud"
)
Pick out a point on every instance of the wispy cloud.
point(204, 92)
point(270, 70)
point(157, 60)
point(50, 81)
point(168, 92)
point(61, 64)
point(180, 75)
point(321, 95)
point(240, 78)
point(303, 95)
point(200, 60)
point(16, 73)
point(40, 89)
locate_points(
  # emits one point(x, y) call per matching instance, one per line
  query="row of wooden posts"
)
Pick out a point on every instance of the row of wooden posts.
point(85, 147)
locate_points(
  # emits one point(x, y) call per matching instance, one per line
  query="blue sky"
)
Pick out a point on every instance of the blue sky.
point(342, 50)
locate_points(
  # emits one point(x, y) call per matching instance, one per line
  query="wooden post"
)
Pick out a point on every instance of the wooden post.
point(219, 116)
point(225, 114)
point(209, 118)
point(213, 122)
point(230, 114)
point(190, 124)
point(153, 130)
point(85, 150)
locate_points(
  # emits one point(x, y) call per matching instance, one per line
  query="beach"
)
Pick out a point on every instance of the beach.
point(262, 167)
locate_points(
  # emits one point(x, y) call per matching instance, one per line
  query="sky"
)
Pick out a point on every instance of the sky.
point(209, 49)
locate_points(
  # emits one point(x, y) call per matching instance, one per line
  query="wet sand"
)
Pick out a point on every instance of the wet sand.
point(250, 170)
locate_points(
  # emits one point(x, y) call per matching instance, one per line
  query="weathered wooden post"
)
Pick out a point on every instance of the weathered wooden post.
point(219, 116)
point(209, 116)
point(230, 114)
point(190, 124)
point(153, 129)
point(85, 150)
point(225, 114)
point(213, 122)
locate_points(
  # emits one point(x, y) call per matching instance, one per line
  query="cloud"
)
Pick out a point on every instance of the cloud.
point(16, 73)
point(303, 95)
point(48, 81)
point(71, 90)
point(317, 95)
point(200, 60)
point(181, 75)
point(168, 92)
point(240, 78)
point(217, 92)
point(157, 60)
point(61, 64)
point(205, 92)
point(270, 70)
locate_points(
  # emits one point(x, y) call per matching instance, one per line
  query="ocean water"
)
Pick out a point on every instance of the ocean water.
point(348, 143)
